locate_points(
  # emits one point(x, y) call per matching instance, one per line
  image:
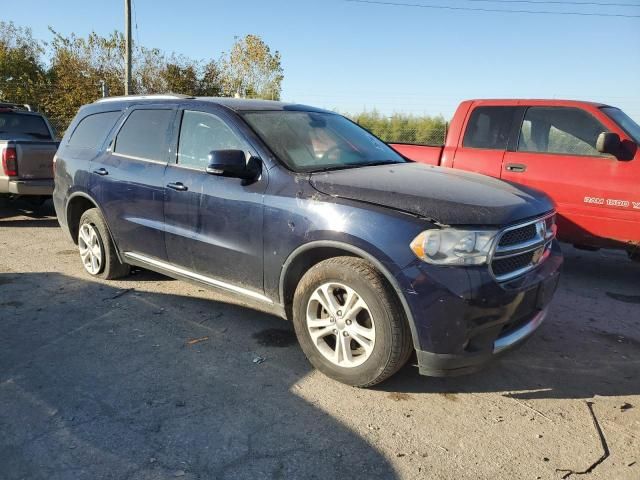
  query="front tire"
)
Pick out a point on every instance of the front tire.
point(350, 323)
point(97, 251)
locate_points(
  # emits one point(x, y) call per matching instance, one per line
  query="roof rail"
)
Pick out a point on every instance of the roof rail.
point(16, 105)
point(162, 96)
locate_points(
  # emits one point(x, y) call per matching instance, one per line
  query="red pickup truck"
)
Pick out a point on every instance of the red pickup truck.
point(584, 155)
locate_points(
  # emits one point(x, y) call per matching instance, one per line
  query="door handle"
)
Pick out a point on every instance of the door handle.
point(101, 171)
point(179, 186)
point(516, 167)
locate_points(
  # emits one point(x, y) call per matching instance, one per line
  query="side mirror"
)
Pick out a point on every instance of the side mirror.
point(608, 143)
point(233, 163)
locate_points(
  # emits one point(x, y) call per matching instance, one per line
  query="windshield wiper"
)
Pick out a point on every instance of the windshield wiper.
point(379, 162)
point(346, 166)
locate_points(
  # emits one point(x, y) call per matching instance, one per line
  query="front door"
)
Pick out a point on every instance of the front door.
point(556, 153)
point(213, 223)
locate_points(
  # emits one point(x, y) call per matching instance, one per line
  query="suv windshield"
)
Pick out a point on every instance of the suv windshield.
point(626, 123)
point(24, 125)
point(313, 141)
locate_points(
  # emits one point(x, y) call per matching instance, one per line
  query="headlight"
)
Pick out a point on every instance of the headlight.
point(449, 246)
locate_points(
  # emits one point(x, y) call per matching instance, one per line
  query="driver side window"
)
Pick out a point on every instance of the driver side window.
point(200, 133)
point(560, 130)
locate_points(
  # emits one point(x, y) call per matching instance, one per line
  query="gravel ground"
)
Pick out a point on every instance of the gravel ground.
point(150, 378)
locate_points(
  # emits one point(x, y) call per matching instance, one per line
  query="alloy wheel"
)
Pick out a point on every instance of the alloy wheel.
point(341, 325)
point(90, 249)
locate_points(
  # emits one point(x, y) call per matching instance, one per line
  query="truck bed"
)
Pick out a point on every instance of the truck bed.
point(419, 153)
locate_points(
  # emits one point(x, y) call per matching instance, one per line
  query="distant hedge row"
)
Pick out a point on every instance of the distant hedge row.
point(404, 128)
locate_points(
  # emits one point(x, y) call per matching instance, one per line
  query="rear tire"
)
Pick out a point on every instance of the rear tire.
point(350, 323)
point(97, 251)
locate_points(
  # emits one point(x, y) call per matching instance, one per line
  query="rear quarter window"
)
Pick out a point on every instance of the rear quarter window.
point(92, 130)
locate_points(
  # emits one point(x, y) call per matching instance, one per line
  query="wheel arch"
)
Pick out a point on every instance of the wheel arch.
point(77, 204)
point(309, 254)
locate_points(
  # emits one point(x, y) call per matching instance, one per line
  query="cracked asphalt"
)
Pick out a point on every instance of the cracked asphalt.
point(153, 378)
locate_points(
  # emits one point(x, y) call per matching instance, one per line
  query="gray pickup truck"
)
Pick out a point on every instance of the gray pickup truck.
point(27, 148)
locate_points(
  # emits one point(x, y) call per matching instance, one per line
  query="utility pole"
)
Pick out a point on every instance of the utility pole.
point(128, 47)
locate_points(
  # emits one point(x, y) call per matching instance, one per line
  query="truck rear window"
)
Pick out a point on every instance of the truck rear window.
point(489, 128)
point(24, 125)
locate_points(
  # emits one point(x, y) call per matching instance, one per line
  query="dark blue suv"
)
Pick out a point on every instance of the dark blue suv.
point(304, 214)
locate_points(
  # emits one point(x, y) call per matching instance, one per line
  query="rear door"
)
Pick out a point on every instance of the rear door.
point(213, 223)
point(127, 180)
point(485, 139)
point(556, 153)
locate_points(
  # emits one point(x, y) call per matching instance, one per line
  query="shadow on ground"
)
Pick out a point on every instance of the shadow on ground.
point(97, 382)
point(14, 211)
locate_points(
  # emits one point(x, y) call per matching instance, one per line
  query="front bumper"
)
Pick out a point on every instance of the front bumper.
point(463, 318)
point(31, 187)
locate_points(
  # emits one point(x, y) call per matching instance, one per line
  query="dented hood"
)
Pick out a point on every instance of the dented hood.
point(445, 195)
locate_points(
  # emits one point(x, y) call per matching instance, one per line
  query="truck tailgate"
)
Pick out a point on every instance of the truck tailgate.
point(419, 153)
point(35, 159)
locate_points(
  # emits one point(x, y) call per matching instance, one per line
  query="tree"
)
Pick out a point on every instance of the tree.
point(22, 73)
point(251, 70)
point(181, 77)
point(211, 81)
point(404, 128)
point(78, 66)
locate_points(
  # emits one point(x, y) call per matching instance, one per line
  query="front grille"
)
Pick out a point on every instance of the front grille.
point(520, 235)
point(504, 266)
point(522, 248)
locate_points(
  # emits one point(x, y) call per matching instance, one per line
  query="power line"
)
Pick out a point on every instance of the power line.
point(492, 10)
point(558, 2)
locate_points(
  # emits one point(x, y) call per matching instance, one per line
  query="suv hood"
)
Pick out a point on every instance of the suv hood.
point(444, 195)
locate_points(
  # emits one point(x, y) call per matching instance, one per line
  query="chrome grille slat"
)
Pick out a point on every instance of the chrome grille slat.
point(521, 248)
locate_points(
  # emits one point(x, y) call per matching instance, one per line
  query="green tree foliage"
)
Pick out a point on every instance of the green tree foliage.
point(78, 65)
point(76, 68)
point(401, 128)
point(251, 70)
point(22, 71)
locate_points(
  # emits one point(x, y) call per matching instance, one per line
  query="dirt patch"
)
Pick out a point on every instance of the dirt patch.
point(452, 397)
point(624, 298)
point(275, 337)
point(67, 252)
point(400, 397)
point(12, 303)
point(617, 338)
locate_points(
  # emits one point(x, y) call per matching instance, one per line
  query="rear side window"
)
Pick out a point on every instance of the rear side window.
point(144, 135)
point(92, 130)
point(489, 127)
point(24, 125)
point(201, 133)
point(560, 130)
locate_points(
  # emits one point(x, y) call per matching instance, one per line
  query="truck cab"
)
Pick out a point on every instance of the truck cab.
point(584, 155)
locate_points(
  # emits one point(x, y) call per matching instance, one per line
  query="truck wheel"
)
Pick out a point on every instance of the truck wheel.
point(350, 323)
point(97, 251)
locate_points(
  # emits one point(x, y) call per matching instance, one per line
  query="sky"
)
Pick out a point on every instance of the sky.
point(355, 56)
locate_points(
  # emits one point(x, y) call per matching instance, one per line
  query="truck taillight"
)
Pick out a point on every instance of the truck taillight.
point(10, 162)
